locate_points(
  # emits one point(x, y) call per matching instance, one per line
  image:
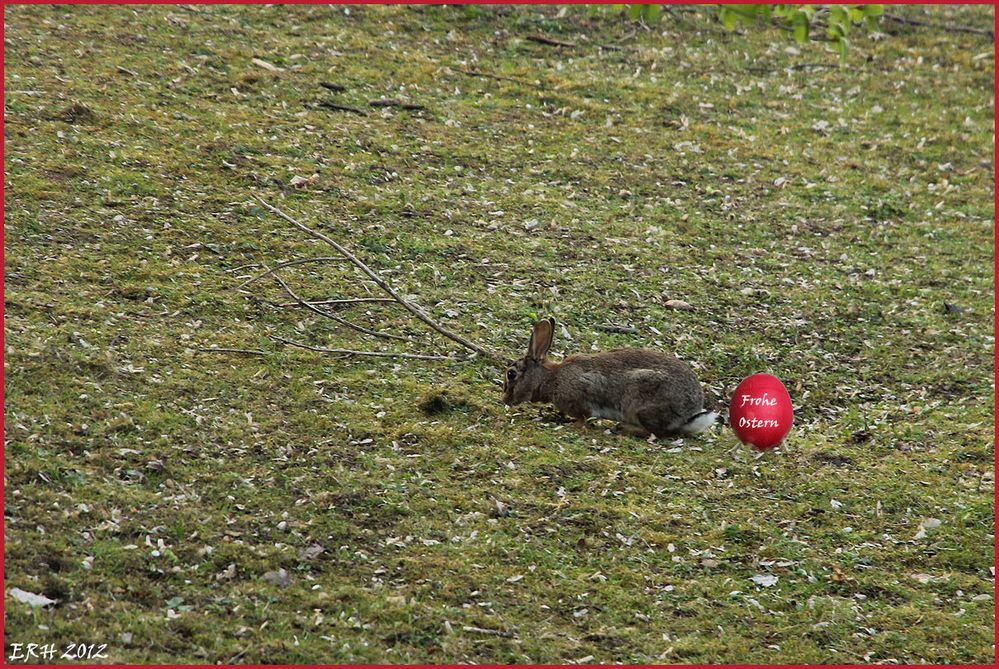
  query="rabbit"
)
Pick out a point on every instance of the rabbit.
point(647, 392)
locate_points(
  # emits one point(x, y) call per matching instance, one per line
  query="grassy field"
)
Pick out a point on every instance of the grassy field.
point(830, 224)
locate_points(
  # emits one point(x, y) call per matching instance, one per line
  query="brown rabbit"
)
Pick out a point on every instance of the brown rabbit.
point(646, 391)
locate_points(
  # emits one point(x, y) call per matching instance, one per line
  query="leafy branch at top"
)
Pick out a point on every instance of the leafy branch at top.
point(799, 20)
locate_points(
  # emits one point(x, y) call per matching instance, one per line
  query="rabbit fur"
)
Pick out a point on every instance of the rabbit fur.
point(647, 392)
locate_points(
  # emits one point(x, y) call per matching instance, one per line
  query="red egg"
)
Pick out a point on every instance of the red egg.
point(760, 411)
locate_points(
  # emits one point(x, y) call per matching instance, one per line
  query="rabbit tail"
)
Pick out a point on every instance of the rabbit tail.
point(699, 422)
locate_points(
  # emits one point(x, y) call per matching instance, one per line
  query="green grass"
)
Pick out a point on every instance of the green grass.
point(817, 219)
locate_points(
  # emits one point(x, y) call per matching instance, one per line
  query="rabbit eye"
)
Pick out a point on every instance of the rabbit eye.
point(511, 374)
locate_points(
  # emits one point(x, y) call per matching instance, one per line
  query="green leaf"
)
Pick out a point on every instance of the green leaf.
point(745, 12)
point(840, 46)
point(800, 33)
point(652, 13)
point(872, 10)
point(728, 18)
point(635, 11)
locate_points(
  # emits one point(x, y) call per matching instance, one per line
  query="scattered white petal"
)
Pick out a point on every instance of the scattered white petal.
point(764, 580)
point(30, 598)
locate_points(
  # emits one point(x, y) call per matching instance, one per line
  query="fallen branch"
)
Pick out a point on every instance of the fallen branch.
point(615, 45)
point(246, 266)
point(622, 329)
point(335, 107)
point(481, 630)
point(350, 300)
point(335, 88)
point(374, 276)
point(796, 66)
point(497, 77)
point(549, 41)
point(218, 349)
point(347, 351)
point(270, 67)
point(816, 66)
point(398, 104)
point(627, 36)
point(300, 261)
point(334, 317)
point(942, 26)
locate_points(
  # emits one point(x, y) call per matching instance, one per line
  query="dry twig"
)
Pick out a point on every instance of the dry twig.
point(334, 317)
point(336, 107)
point(540, 39)
point(219, 349)
point(497, 77)
point(347, 351)
point(482, 630)
point(300, 261)
point(941, 26)
point(348, 300)
point(374, 276)
point(392, 102)
point(622, 329)
point(246, 266)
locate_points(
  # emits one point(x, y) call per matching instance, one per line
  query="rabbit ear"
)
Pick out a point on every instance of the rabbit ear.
point(541, 339)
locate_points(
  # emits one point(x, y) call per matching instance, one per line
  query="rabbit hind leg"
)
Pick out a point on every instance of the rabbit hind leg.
point(632, 430)
point(662, 423)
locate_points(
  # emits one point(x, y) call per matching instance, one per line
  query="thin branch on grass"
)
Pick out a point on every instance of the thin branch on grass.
point(627, 36)
point(814, 66)
point(347, 351)
point(232, 660)
point(621, 329)
point(398, 104)
point(300, 261)
point(337, 107)
point(219, 349)
point(481, 630)
point(548, 41)
point(374, 276)
point(497, 77)
point(351, 300)
point(941, 26)
point(796, 66)
point(246, 266)
point(334, 317)
point(615, 45)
